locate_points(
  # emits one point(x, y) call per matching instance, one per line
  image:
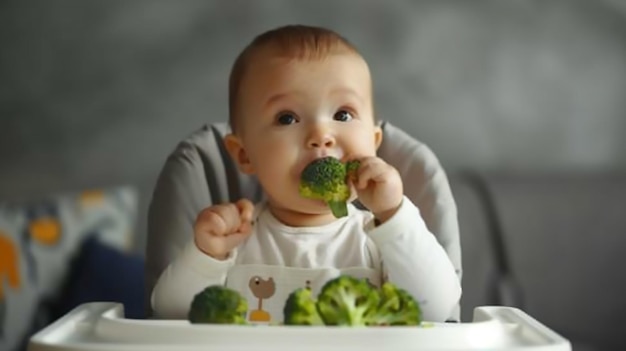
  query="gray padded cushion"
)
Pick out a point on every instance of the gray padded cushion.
point(426, 184)
point(479, 263)
point(199, 173)
point(565, 242)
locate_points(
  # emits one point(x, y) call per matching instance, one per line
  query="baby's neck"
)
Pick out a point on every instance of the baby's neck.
point(300, 219)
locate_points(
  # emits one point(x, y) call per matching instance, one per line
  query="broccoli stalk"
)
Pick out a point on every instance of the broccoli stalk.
point(218, 305)
point(338, 208)
point(301, 309)
point(326, 179)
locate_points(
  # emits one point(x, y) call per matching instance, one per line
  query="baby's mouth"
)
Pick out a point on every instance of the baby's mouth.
point(320, 155)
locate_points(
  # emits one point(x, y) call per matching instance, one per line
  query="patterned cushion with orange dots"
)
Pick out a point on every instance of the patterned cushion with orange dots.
point(38, 241)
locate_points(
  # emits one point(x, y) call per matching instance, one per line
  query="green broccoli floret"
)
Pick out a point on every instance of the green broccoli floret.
point(352, 167)
point(347, 301)
point(301, 309)
point(396, 307)
point(326, 179)
point(218, 305)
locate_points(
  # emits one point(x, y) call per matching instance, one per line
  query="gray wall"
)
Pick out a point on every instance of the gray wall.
point(97, 93)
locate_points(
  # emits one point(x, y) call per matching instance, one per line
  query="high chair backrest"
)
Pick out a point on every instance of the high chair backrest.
point(200, 173)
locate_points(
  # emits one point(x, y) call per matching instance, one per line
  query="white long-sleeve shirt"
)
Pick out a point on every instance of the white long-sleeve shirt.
point(277, 259)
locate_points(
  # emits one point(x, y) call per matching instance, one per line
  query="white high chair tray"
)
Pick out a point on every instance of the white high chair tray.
point(100, 326)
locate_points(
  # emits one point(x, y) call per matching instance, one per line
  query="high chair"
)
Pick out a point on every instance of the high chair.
point(199, 173)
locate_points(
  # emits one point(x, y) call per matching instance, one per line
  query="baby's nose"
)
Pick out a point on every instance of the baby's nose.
point(321, 139)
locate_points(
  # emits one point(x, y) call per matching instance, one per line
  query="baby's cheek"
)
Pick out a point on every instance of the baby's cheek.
point(277, 178)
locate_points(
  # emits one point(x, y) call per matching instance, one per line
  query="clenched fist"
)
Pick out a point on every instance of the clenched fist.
point(221, 228)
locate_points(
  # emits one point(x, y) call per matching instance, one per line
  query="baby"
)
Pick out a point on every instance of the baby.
point(297, 94)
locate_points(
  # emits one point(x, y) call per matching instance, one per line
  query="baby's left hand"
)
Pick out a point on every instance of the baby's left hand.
point(379, 187)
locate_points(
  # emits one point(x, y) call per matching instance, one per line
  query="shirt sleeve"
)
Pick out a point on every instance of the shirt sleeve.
point(413, 260)
point(186, 276)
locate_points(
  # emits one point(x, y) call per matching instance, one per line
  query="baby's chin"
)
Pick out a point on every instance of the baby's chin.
point(313, 207)
point(303, 213)
point(302, 205)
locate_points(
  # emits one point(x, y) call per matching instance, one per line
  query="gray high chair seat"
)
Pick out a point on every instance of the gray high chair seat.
point(199, 173)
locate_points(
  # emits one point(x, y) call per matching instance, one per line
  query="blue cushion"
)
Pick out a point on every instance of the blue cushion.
point(103, 273)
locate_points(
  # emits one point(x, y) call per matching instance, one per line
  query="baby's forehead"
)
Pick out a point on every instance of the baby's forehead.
point(282, 73)
point(278, 60)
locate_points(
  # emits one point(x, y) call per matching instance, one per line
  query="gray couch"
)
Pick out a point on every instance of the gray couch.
point(550, 244)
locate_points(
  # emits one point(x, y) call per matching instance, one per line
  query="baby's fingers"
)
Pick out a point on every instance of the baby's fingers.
point(246, 210)
point(371, 169)
point(219, 220)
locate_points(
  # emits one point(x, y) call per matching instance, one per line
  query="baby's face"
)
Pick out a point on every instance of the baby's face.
point(294, 111)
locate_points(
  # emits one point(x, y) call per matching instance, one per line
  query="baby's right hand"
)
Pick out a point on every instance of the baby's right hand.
point(221, 228)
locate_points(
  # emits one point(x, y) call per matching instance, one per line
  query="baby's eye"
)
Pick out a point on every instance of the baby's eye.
point(342, 115)
point(286, 118)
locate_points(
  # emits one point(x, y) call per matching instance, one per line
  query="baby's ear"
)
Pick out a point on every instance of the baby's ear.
point(378, 136)
point(238, 153)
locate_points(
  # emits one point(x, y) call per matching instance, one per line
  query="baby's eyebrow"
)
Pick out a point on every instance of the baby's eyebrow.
point(347, 91)
point(277, 97)
point(274, 98)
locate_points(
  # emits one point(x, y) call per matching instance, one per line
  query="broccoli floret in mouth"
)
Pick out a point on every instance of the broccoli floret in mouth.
point(326, 179)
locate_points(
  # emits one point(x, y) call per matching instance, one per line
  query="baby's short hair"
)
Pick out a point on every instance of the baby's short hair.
point(294, 41)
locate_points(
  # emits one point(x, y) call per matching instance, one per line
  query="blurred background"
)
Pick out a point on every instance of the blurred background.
point(95, 95)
